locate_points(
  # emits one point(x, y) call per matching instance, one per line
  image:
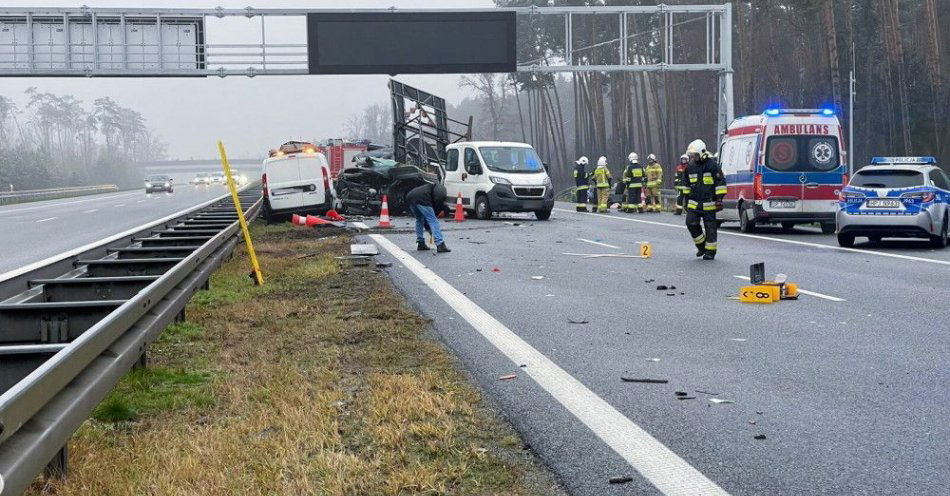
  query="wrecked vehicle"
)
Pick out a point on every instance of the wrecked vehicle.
point(360, 189)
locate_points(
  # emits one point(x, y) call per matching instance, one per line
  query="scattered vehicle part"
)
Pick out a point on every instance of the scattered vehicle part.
point(508, 377)
point(620, 480)
point(720, 401)
point(537, 278)
point(578, 321)
point(644, 381)
point(759, 437)
point(364, 249)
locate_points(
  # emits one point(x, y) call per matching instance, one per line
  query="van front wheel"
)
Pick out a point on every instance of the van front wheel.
point(482, 208)
point(543, 214)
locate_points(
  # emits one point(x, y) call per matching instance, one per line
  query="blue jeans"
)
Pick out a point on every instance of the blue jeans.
point(425, 214)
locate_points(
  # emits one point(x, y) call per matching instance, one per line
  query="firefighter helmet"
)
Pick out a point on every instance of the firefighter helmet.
point(697, 147)
point(633, 158)
point(651, 158)
point(602, 161)
point(582, 161)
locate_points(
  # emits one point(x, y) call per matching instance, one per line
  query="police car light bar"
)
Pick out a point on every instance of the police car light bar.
point(772, 112)
point(904, 160)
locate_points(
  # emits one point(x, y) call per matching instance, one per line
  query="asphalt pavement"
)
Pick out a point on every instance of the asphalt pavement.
point(36, 231)
point(847, 384)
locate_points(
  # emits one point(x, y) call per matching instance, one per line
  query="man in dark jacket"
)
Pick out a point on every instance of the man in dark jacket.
point(704, 187)
point(424, 201)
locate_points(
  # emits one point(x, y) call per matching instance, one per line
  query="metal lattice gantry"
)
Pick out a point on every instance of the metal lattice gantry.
point(146, 42)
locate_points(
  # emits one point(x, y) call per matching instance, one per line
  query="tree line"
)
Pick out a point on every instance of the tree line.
point(795, 54)
point(56, 140)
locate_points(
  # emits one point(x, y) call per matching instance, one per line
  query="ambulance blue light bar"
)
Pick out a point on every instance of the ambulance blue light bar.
point(773, 112)
point(904, 160)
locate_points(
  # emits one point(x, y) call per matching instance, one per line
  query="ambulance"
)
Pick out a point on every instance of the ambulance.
point(784, 167)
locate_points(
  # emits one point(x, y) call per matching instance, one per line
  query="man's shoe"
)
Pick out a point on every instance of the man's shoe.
point(709, 255)
point(442, 248)
point(421, 247)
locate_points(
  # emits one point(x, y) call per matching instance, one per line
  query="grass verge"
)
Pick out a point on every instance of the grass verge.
point(321, 382)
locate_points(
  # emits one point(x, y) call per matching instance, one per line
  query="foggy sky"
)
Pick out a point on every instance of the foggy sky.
point(250, 115)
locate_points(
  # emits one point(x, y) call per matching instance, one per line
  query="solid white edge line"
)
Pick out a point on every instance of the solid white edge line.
point(55, 203)
point(802, 291)
point(75, 251)
point(768, 238)
point(598, 243)
point(663, 468)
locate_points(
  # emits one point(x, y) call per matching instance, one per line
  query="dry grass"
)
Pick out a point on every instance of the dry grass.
point(321, 382)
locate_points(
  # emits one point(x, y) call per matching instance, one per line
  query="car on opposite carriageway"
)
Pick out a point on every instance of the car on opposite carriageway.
point(159, 182)
point(899, 197)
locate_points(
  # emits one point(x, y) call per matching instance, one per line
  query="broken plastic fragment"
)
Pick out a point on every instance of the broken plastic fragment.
point(508, 377)
point(681, 393)
point(578, 321)
point(495, 269)
point(661, 287)
point(651, 359)
point(537, 278)
point(644, 381)
point(720, 401)
point(759, 436)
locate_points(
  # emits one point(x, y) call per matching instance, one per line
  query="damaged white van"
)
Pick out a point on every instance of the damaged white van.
point(296, 180)
point(496, 176)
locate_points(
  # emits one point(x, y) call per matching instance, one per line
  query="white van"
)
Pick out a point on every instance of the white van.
point(296, 180)
point(495, 176)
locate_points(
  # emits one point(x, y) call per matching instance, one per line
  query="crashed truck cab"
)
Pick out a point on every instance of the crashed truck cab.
point(494, 176)
point(295, 179)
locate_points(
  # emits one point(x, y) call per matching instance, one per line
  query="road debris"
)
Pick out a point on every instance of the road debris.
point(720, 401)
point(363, 249)
point(649, 281)
point(537, 278)
point(706, 392)
point(681, 393)
point(508, 377)
point(670, 294)
point(651, 359)
point(478, 242)
point(752, 422)
point(759, 437)
point(383, 265)
point(686, 397)
point(495, 269)
point(740, 340)
point(644, 381)
point(620, 480)
point(662, 287)
point(577, 321)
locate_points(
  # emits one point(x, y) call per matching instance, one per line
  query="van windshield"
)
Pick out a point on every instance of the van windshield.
point(802, 153)
point(887, 178)
point(514, 159)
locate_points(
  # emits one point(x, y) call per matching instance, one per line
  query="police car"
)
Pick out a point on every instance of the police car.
point(900, 197)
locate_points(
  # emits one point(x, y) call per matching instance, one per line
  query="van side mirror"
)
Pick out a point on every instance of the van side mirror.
point(547, 167)
point(473, 168)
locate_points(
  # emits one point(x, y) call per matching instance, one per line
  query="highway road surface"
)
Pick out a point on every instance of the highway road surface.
point(848, 385)
point(36, 231)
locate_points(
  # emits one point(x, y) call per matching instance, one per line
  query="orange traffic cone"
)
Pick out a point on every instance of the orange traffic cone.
point(459, 211)
point(298, 220)
point(384, 214)
point(313, 221)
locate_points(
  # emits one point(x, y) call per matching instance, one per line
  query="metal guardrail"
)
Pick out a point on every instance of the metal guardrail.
point(8, 197)
point(65, 341)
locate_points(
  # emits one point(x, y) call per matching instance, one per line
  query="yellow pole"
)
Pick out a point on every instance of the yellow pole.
point(258, 276)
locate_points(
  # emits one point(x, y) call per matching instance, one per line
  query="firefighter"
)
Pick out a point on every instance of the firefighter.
point(602, 179)
point(580, 184)
point(678, 184)
point(654, 181)
point(633, 177)
point(704, 187)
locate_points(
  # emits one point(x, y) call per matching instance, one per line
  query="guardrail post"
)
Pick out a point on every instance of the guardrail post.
point(142, 362)
point(59, 465)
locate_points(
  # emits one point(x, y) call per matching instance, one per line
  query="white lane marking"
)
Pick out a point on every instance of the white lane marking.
point(57, 204)
point(598, 243)
point(769, 238)
point(802, 291)
point(76, 251)
point(658, 464)
point(90, 211)
point(46, 219)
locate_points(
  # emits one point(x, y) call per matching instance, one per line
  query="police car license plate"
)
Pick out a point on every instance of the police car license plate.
point(782, 203)
point(883, 203)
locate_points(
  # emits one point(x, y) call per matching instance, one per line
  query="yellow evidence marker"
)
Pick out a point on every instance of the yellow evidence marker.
point(646, 249)
point(759, 294)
